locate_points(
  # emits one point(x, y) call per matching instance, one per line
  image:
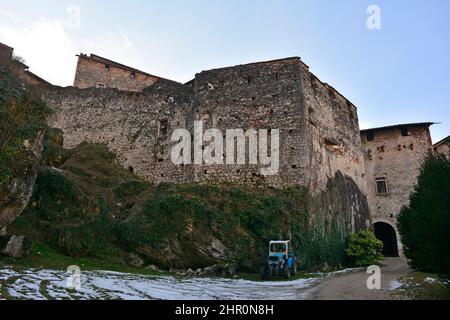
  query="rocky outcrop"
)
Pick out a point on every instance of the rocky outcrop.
point(17, 247)
point(342, 203)
point(135, 261)
point(15, 196)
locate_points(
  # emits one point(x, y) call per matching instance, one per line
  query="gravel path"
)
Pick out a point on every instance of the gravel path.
point(353, 285)
point(100, 285)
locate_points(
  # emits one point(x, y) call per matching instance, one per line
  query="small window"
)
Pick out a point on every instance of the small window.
point(405, 132)
point(100, 85)
point(370, 136)
point(133, 76)
point(163, 128)
point(382, 187)
point(107, 67)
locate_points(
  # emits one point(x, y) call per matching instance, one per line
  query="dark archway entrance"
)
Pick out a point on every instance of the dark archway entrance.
point(386, 233)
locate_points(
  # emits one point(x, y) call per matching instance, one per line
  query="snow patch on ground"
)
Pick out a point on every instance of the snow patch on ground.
point(430, 280)
point(51, 284)
point(394, 285)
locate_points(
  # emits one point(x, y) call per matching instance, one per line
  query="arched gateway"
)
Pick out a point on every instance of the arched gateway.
point(386, 233)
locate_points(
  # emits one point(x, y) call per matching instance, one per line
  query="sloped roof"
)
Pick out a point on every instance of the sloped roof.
point(96, 58)
point(399, 126)
point(445, 140)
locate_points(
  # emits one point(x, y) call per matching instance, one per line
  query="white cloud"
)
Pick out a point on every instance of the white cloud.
point(49, 48)
point(46, 47)
point(118, 47)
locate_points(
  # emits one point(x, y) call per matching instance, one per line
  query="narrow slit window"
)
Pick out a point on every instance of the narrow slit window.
point(163, 128)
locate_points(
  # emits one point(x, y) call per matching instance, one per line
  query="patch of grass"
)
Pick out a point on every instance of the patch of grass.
point(45, 257)
point(426, 286)
point(130, 189)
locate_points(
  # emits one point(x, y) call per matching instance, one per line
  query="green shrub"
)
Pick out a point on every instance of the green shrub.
point(424, 225)
point(59, 199)
point(364, 249)
point(87, 238)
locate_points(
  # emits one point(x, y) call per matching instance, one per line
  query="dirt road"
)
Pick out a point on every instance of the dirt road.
point(347, 284)
point(353, 285)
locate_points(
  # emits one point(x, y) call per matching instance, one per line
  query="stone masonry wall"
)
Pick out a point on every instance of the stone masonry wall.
point(335, 164)
point(396, 158)
point(6, 54)
point(333, 134)
point(443, 148)
point(320, 146)
point(127, 122)
point(90, 73)
point(255, 96)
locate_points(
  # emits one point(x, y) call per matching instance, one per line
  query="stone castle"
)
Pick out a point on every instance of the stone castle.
point(322, 148)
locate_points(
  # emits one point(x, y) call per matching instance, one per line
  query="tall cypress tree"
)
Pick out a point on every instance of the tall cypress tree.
point(425, 224)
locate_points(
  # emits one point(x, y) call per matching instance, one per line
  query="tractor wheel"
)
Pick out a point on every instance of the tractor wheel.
point(287, 271)
point(294, 268)
point(264, 273)
point(261, 273)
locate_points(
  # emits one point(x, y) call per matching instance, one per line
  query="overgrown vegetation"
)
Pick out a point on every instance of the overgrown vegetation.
point(424, 225)
point(22, 114)
point(86, 205)
point(91, 207)
point(364, 249)
point(426, 286)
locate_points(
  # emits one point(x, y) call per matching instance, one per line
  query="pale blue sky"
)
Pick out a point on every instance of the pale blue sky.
point(394, 75)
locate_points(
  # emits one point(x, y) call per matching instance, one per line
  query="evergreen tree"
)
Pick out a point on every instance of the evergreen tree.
point(425, 224)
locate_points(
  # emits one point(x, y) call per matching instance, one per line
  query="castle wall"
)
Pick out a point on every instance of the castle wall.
point(319, 133)
point(6, 54)
point(333, 134)
point(91, 73)
point(129, 123)
point(335, 164)
point(443, 148)
point(259, 96)
point(396, 158)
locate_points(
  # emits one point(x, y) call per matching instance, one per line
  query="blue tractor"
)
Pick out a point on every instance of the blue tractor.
point(281, 261)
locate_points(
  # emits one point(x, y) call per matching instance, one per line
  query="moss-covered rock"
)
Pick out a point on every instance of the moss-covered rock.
point(22, 127)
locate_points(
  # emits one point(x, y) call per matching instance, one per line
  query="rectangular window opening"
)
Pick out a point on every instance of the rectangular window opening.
point(382, 187)
point(405, 132)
